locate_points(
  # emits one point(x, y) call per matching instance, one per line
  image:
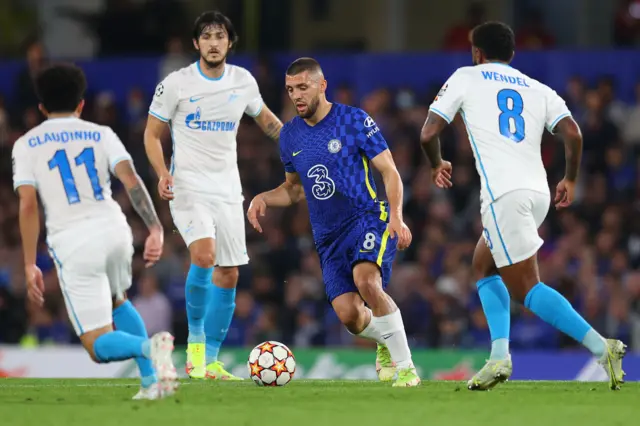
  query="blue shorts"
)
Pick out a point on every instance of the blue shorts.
point(364, 240)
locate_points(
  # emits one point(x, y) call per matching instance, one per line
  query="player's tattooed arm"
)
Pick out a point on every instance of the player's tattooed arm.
point(572, 137)
point(430, 140)
point(269, 123)
point(29, 222)
point(138, 194)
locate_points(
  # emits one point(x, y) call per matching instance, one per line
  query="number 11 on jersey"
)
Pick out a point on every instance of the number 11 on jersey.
point(510, 121)
point(86, 157)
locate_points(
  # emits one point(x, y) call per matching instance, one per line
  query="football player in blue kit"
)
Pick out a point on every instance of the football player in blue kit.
point(328, 152)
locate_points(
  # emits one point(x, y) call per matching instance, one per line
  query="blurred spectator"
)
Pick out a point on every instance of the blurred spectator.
point(631, 128)
point(26, 102)
point(174, 59)
point(614, 110)
point(458, 37)
point(533, 35)
point(626, 24)
point(153, 305)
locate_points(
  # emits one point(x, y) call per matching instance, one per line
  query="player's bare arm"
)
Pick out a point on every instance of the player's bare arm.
point(290, 192)
point(153, 147)
point(29, 232)
point(141, 202)
point(572, 137)
point(269, 123)
point(384, 163)
point(430, 143)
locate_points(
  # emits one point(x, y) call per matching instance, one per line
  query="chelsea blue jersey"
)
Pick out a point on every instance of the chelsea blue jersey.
point(333, 159)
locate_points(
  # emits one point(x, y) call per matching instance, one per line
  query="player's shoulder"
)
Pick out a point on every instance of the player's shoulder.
point(464, 73)
point(239, 73)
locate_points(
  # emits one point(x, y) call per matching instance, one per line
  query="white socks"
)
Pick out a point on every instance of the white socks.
point(370, 332)
point(389, 331)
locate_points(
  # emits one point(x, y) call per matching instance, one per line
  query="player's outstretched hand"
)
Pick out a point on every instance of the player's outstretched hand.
point(257, 208)
point(564, 193)
point(35, 284)
point(165, 187)
point(153, 247)
point(398, 229)
point(441, 175)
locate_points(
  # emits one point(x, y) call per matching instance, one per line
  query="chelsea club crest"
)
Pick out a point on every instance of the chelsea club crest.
point(334, 146)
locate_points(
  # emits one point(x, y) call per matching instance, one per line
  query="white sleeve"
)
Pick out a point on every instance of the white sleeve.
point(556, 110)
point(22, 166)
point(165, 99)
point(115, 150)
point(254, 99)
point(449, 99)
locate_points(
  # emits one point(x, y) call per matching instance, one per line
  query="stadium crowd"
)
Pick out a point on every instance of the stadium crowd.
point(591, 252)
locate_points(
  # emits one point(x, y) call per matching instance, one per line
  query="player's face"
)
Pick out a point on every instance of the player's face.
point(213, 45)
point(304, 91)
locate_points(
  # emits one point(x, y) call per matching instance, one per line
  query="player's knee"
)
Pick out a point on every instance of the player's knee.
point(88, 341)
point(369, 285)
point(203, 259)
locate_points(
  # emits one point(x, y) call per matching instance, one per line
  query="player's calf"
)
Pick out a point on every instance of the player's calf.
point(386, 319)
point(197, 289)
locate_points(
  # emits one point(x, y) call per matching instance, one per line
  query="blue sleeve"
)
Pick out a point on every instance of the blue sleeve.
point(285, 155)
point(368, 136)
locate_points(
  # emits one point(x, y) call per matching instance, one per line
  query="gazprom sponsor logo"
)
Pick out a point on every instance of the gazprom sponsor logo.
point(194, 121)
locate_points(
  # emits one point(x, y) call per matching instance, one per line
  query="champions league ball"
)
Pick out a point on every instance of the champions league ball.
point(271, 364)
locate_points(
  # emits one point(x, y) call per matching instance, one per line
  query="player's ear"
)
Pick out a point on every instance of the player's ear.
point(80, 107)
point(43, 110)
point(323, 85)
point(195, 45)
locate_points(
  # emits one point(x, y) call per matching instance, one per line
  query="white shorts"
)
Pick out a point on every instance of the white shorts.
point(511, 225)
point(221, 221)
point(92, 274)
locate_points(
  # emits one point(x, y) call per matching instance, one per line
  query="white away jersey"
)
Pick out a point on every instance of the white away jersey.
point(68, 160)
point(505, 113)
point(204, 115)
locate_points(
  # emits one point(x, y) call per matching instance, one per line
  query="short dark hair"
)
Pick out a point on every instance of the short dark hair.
point(213, 17)
point(302, 65)
point(495, 40)
point(61, 87)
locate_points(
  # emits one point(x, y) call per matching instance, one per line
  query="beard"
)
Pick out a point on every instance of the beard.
point(213, 64)
point(311, 108)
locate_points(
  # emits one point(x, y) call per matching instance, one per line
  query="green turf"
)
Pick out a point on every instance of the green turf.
point(310, 403)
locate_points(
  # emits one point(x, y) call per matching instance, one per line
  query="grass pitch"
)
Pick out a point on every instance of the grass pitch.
point(313, 402)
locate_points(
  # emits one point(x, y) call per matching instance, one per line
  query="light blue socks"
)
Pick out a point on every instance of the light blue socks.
point(126, 318)
point(496, 305)
point(118, 346)
point(554, 309)
point(197, 296)
point(219, 315)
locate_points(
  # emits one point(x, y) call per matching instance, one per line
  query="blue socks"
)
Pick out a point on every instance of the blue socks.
point(118, 346)
point(219, 316)
point(197, 295)
point(554, 309)
point(126, 318)
point(496, 305)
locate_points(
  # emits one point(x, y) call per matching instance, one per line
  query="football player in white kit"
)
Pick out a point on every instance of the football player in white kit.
point(67, 162)
point(505, 113)
point(203, 105)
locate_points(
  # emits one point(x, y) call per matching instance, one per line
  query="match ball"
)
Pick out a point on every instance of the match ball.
point(271, 364)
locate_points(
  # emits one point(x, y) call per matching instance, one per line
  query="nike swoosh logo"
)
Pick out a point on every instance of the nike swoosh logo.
point(366, 251)
point(195, 98)
point(296, 153)
point(386, 336)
